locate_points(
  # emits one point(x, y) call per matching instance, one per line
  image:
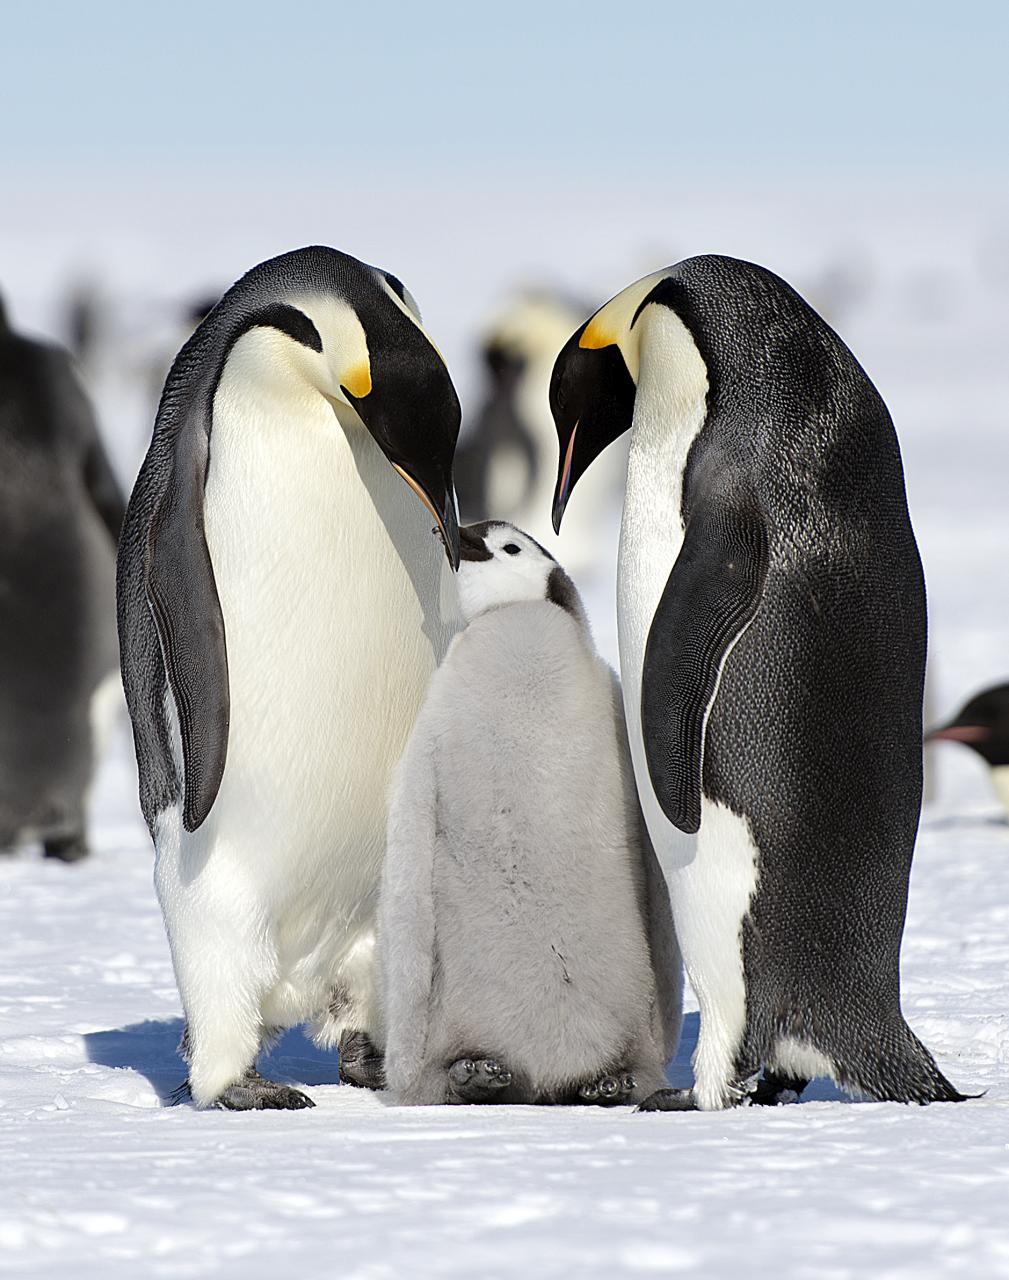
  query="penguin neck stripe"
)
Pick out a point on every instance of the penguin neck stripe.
point(277, 315)
point(287, 319)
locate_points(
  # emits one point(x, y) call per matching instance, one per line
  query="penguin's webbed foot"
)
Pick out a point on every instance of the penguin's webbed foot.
point(670, 1100)
point(254, 1093)
point(477, 1079)
point(70, 848)
point(608, 1091)
point(361, 1064)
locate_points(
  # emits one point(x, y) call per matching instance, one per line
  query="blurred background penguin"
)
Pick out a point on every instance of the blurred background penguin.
point(60, 513)
point(506, 464)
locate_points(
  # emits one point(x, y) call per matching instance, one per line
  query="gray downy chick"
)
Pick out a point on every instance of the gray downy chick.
point(526, 945)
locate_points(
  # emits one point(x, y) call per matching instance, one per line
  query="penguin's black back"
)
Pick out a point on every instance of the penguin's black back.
point(498, 427)
point(60, 512)
point(815, 733)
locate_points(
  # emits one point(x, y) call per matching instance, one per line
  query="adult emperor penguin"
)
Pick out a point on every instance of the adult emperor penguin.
point(283, 602)
point(60, 513)
point(505, 463)
point(526, 944)
point(983, 725)
point(772, 647)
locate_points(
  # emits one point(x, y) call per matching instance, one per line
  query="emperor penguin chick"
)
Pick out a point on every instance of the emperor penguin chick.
point(526, 946)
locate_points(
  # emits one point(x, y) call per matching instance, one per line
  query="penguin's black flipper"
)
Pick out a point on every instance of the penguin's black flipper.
point(187, 612)
point(712, 594)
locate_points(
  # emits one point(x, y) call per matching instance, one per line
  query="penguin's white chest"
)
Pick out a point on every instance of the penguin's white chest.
point(667, 418)
point(1000, 781)
point(336, 612)
point(712, 876)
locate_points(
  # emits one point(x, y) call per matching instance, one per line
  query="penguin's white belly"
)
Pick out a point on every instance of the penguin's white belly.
point(712, 876)
point(651, 535)
point(329, 656)
point(1000, 781)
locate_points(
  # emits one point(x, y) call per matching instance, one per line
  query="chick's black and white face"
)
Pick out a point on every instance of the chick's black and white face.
point(500, 565)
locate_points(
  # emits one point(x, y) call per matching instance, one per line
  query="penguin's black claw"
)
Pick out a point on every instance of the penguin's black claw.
point(361, 1064)
point(670, 1100)
point(67, 848)
point(254, 1093)
point(477, 1079)
point(608, 1091)
point(181, 1093)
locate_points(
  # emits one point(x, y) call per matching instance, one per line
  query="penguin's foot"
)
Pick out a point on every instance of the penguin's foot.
point(477, 1079)
point(254, 1093)
point(67, 848)
point(361, 1064)
point(774, 1090)
point(608, 1091)
point(670, 1100)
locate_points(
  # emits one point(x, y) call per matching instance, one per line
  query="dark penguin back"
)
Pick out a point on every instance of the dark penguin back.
point(815, 734)
point(60, 513)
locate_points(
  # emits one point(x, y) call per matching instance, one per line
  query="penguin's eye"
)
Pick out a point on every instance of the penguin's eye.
point(511, 548)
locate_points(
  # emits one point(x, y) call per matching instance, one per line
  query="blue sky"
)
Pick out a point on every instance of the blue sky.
point(550, 89)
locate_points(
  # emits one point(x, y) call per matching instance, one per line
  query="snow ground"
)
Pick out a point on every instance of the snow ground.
point(97, 1178)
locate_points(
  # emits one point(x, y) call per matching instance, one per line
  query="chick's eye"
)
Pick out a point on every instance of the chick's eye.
point(511, 548)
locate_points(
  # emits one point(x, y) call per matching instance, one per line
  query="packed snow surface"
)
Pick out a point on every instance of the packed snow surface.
point(99, 1177)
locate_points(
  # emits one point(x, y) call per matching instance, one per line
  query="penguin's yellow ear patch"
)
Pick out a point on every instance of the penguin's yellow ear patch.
point(596, 335)
point(357, 381)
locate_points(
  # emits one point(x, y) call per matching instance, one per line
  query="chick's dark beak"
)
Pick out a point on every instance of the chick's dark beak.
point(472, 544)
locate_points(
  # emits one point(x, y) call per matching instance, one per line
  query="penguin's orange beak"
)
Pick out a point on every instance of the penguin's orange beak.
point(448, 521)
point(969, 733)
point(563, 491)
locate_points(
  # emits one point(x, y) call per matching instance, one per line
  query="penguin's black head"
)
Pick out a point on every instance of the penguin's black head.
point(504, 366)
point(358, 339)
point(411, 409)
point(592, 400)
point(594, 384)
point(982, 724)
point(528, 331)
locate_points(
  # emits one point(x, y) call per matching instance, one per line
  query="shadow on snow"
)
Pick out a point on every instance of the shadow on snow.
point(152, 1049)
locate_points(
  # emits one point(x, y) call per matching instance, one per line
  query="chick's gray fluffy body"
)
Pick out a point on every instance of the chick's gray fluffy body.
point(524, 917)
